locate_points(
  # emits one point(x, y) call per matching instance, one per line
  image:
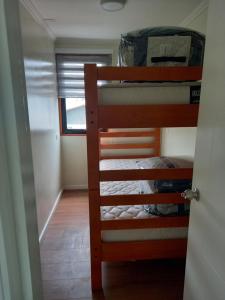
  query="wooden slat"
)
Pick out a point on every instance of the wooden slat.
point(128, 146)
point(153, 249)
point(158, 198)
point(157, 148)
point(112, 134)
point(150, 73)
point(140, 174)
point(157, 222)
point(127, 156)
point(142, 116)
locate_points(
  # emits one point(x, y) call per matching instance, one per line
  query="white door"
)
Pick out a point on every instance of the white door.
point(20, 270)
point(205, 268)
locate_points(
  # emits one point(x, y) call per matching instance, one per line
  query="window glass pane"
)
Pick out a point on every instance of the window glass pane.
point(71, 88)
point(75, 113)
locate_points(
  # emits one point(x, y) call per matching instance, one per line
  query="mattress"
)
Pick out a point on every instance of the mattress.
point(122, 187)
point(130, 211)
point(149, 93)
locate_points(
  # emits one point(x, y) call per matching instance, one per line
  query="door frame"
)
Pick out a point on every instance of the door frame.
point(20, 268)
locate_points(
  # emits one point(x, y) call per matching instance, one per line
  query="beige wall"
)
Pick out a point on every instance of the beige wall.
point(175, 141)
point(74, 152)
point(88, 46)
point(39, 63)
point(74, 162)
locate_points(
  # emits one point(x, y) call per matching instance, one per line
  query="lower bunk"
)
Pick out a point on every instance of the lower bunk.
point(147, 229)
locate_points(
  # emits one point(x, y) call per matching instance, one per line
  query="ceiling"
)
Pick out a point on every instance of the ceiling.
point(86, 18)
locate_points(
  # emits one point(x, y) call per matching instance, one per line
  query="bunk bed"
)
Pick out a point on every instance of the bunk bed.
point(103, 116)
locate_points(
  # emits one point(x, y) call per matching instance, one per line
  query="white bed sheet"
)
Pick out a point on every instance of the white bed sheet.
point(146, 93)
point(130, 211)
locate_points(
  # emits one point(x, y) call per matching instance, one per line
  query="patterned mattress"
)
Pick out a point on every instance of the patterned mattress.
point(130, 211)
point(122, 187)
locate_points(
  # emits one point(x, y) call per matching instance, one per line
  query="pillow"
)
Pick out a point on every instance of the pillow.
point(168, 209)
point(152, 163)
point(167, 186)
point(163, 162)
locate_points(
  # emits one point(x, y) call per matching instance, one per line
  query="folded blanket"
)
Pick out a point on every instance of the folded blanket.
point(162, 46)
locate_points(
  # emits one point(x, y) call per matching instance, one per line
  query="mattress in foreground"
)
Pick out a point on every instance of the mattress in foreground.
point(131, 211)
point(149, 93)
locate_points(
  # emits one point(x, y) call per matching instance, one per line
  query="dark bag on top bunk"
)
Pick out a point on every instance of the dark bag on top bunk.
point(167, 186)
point(162, 46)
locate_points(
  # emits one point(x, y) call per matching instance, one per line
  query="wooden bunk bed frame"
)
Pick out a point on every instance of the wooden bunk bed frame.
point(133, 116)
point(151, 146)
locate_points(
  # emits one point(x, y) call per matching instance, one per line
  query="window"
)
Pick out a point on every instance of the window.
point(70, 76)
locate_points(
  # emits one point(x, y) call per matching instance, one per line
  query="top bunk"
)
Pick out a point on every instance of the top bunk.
point(141, 110)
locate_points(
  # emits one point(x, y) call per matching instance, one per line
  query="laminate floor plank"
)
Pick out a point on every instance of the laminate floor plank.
point(65, 257)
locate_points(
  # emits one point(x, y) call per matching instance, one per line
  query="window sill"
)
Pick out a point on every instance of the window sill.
point(73, 134)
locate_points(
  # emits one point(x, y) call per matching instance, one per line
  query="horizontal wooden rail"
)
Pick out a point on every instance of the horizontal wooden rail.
point(153, 249)
point(112, 134)
point(127, 156)
point(158, 198)
point(128, 146)
point(142, 116)
point(140, 174)
point(154, 222)
point(150, 73)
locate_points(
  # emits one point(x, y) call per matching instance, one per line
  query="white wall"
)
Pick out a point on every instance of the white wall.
point(175, 141)
point(181, 141)
point(1, 288)
point(199, 23)
point(87, 46)
point(40, 74)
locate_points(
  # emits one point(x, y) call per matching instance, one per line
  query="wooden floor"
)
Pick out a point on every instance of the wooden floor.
point(66, 263)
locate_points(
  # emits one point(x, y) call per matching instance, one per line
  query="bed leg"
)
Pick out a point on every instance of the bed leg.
point(96, 275)
point(95, 240)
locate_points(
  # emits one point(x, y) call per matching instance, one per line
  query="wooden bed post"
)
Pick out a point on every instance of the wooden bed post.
point(158, 142)
point(91, 97)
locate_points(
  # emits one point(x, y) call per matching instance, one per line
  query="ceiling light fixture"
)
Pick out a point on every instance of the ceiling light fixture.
point(112, 5)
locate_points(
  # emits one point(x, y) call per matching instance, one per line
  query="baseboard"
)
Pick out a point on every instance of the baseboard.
point(50, 215)
point(75, 187)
